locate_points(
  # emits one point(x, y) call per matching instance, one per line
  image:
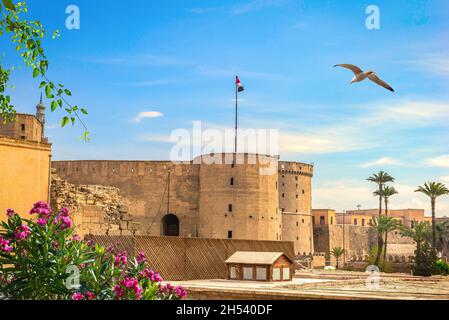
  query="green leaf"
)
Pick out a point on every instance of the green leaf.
point(68, 92)
point(35, 72)
point(64, 121)
point(9, 4)
point(84, 111)
point(54, 105)
point(48, 91)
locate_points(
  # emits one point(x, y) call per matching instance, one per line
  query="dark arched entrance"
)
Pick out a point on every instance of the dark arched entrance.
point(170, 226)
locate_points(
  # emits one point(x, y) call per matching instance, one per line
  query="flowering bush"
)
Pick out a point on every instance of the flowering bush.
point(45, 259)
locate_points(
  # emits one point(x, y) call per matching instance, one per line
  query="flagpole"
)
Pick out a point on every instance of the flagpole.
point(236, 113)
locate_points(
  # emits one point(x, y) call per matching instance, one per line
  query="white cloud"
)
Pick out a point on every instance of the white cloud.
point(441, 161)
point(384, 161)
point(147, 114)
point(432, 63)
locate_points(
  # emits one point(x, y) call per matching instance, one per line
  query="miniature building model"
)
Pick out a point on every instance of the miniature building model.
point(259, 266)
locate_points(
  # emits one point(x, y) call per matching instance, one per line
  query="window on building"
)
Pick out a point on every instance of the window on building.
point(230, 208)
point(313, 220)
point(247, 273)
point(261, 274)
point(276, 274)
point(283, 209)
point(234, 274)
point(322, 219)
point(355, 222)
point(232, 181)
point(283, 195)
point(297, 223)
point(302, 220)
point(303, 191)
point(23, 137)
point(286, 273)
point(229, 234)
point(23, 127)
point(332, 220)
point(297, 196)
point(363, 222)
point(296, 178)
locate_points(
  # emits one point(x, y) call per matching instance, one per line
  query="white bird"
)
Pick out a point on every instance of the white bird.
point(361, 75)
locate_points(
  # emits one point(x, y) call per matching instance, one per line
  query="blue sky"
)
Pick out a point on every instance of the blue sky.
point(179, 59)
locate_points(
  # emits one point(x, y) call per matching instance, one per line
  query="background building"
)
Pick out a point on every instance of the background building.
point(25, 158)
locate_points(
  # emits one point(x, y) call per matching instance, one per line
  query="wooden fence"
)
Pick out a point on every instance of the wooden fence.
point(190, 258)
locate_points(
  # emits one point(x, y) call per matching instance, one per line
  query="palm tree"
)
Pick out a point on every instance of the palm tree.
point(386, 193)
point(380, 179)
point(337, 253)
point(442, 236)
point(433, 190)
point(382, 226)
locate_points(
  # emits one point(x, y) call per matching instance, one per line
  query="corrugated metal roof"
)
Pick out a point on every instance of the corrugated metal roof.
point(249, 257)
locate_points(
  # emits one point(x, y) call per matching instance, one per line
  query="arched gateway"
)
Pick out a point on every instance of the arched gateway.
point(170, 226)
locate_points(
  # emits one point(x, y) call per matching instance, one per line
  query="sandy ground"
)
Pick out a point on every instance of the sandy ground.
point(326, 285)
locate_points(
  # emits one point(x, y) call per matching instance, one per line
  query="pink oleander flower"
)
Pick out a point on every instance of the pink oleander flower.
point(141, 258)
point(22, 232)
point(119, 292)
point(180, 292)
point(150, 274)
point(41, 209)
point(65, 221)
point(76, 238)
point(77, 296)
point(132, 284)
point(82, 266)
point(42, 222)
point(90, 296)
point(5, 245)
point(64, 212)
point(10, 213)
point(121, 259)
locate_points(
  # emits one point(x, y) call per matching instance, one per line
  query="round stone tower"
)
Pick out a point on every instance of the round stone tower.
point(239, 197)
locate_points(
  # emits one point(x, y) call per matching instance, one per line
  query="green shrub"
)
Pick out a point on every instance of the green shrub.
point(46, 260)
point(441, 267)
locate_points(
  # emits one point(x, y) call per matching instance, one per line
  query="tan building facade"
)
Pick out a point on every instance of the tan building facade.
point(209, 197)
point(365, 217)
point(25, 159)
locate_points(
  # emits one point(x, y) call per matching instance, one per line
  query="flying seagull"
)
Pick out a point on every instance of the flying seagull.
point(361, 75)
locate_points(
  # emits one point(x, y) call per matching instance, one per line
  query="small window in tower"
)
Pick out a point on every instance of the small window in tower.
point(303, 191)
point(23, 127)
point(230, 208)
point(232, 181)
point(297, 223)
point(23, 137)
point(355, 222)
point(302, 220)
point(297, 196)
point(296, 178)
point(229, 234)
point(322, 220)
point(363, 222)
point(283, 195)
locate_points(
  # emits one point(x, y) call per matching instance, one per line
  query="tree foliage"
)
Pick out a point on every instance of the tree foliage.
point(27, 36)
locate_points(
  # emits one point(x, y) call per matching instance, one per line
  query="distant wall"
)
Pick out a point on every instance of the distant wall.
point(179, 259)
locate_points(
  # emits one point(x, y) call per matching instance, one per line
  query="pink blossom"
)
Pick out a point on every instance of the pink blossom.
point(10, 213)
point(90, 296)
point(41, 209)
point(76, 238)
point(65, 221)
point(22, 232)
point(5, 245)
point(150, 274)
point(121, 259)
point(132, 284)
point(180, 292)
point(141, 258)
point(82, 266)
point(77, 296)
point(42, 222)
point(118, 292)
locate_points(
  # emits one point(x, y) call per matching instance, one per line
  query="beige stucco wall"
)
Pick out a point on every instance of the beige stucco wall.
point(24, 177)
point(297, 228)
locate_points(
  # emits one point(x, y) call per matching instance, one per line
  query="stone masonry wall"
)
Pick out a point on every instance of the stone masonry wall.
point(96, 210)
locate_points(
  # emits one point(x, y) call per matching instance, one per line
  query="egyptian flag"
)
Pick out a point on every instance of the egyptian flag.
point(239, 85)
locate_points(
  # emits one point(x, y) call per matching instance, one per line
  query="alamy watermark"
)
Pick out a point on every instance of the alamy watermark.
point(73, 21)
point(372, 22)
point(254, 146)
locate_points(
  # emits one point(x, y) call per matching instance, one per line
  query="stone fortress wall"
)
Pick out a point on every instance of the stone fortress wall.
point(239, 199)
